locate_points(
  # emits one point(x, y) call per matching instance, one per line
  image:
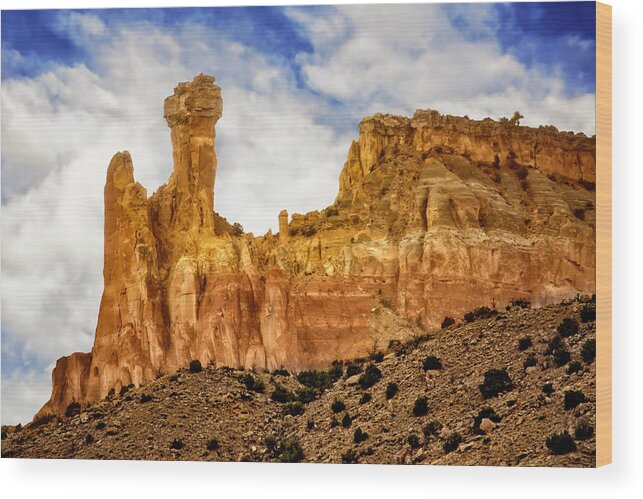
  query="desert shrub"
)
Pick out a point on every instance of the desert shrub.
point(321, 380)
point(432, 429)
point(195, 366)
point(281, 372)
point(89, 439)
point(521, 303)
point(347, 420)
point(270, 442)
point(560, 443)
point(350, 457)
point(359, 435)
point(252, 383)
point(370, 376)
point(496, 381)
point(413, 441)
point(567, 327)
point(588, 312)
point(554, 344)
point(522, 172)
point(334, 422)
point(310, 424)
point(213, 444)
point(100, 425)
point(487, 413)
point(561, 357)
point(391, 390)
point(496, 161)
point(484, 313)
point(377, 357)
point(394, 344)
point(145, 397)
point(448, 321)
point(452, 442)
point(579, 213)
point(336, 370)
point(583, 430)
point(588, 351)
point(421, 406)
point(469, 317)
point(73, 409)
point(337, 406)
point(589, 186)
point(530, 361)
point(281, 394)
point(353, 370)
point(123, 390)
point(524, 343)
point(177, 444)
point(331, 212)
point(291, 452)
point(294, 408)
point(306, 395)
point(366, 397)
point(431, 363)
point(573, 398)
point(574, 367)
point(548, 388)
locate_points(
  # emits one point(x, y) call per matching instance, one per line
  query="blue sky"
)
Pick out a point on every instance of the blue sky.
point(77, 86)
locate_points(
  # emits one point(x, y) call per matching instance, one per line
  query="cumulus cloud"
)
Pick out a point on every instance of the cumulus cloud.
point(281, 142)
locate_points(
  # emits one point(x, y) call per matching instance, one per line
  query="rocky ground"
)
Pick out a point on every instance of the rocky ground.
point(334, 416)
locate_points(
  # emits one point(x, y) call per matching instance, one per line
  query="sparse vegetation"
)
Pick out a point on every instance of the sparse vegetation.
point(448, 321)
point(431, 363)
point(281, 394)
point(452, 442)
point(573, 398)
point(421, 407)
point(252, 383)
point(413, 441)
point(145, 397)
point(521, 303)
point(496, 381)
point(350, 457)
point(347, 420)
point(337, 406)
point(561, 443)
point(195, 366)
point(588, 351)
point(391, 390)
point(524, 343)
point(306, 395)
point(293, 408)
point(177, 444)
point(548, 388)
point(371, 376)
point(431, 429)
point(291, 452)
point(359, 436)
point(588, 312)
point(568, 327)
point(366, 397)
point(73, 409)
point(281, 372)
point(583, 430)
point(530, 361)
point(353, 370)
point(574, 367)
point(213, 444)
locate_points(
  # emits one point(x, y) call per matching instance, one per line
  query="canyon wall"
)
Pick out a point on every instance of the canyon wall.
point(435, 216)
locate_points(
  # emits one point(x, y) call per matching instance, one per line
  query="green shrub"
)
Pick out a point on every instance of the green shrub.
point(306, 395)
point(370, 376)
point(487, 413)
point(530, 361)
point(524, 343)
point(496, 381)
point(359, 435)
point(574, 367)
point(567, 327)
point(366, 397)
point(291, 452)
point(213, 444)
point(195, 366)
point(561, 357)
point(432, 429)
point(378, 357)
point(73, 409)
point(561, 443)
point(556, 343)
point(252, 383)
point(588, 351)
point(448, 321)
point(469, 317)
point(281, 372)
point(145, 397)
point(573, 398)
point(353, 370)
point(421, 407)
point(583, 430)
point(347, 420)
point(521, 303)
point(431, 363)
point(293, 408)
point(548, 388)
point(281, 394)
point(350, 457)
point(413, 441)
point(588, 313)
point(452, 442)
point(391, 390)
point(177, 444)
point(271, 442)
point(337, 406)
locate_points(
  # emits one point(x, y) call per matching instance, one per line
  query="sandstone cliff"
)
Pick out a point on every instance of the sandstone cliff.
point(435, 215)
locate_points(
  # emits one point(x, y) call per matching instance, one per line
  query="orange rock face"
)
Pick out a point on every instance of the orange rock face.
point(435, 216)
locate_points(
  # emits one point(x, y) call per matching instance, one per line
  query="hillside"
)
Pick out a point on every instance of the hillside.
point(222, 414)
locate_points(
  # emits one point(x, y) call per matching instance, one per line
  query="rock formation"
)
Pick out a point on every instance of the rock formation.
point(435, 215)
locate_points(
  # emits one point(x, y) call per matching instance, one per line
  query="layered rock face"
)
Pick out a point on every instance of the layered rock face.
point(435, 215)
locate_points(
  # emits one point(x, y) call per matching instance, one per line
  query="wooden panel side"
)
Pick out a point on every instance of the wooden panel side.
point(603, 234)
